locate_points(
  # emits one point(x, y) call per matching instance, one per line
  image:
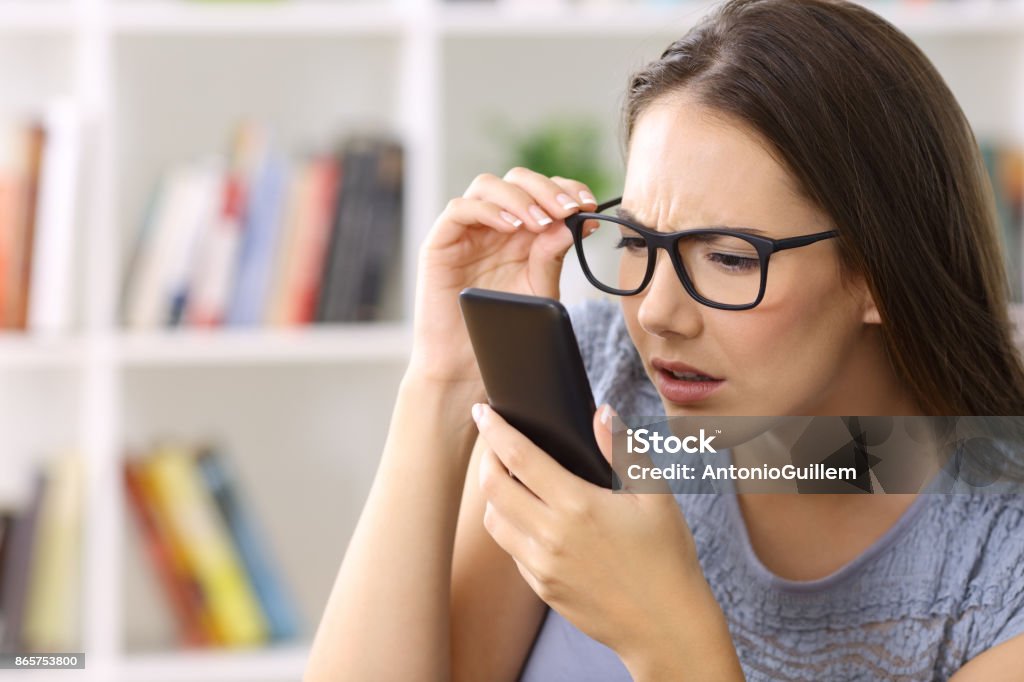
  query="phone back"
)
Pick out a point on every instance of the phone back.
point(534, 375)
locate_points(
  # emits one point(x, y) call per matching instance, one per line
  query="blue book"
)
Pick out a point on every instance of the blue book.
point(277, 606)
point(262, 226)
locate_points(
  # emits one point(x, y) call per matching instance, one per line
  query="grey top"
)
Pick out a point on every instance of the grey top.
point(944, 584)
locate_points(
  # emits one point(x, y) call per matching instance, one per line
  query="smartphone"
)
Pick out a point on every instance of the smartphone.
point(534, 375)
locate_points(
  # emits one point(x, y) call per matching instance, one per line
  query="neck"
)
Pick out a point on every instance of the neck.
point(867, 384)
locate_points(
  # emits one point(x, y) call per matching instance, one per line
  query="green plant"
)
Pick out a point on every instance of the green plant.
point(568, 147)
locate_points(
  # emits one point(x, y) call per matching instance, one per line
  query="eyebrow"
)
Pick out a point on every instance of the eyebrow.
point(628, 215)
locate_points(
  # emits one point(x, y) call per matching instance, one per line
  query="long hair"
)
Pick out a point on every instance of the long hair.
point(872, 135)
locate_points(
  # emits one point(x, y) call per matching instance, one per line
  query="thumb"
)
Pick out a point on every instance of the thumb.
point(603, 430)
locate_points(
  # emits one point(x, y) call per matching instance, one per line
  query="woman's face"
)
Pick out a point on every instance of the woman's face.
point(794, 352)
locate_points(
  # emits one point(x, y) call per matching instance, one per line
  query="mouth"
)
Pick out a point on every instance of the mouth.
point(683, 384)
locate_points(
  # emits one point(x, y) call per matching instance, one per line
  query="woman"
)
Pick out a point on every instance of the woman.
point(794, 117)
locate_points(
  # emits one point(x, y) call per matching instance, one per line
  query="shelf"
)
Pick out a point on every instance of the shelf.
point(954, 18)
point(175, 17)
point(28, 16)
point(472, 20)
point(23, 351)
point(276, 663)
point(370, 342)
point(941, 18)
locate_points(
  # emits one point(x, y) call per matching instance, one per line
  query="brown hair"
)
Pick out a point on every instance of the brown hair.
point(872, 134)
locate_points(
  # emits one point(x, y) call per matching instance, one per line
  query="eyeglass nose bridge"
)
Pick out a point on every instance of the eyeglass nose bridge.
point(679, 272)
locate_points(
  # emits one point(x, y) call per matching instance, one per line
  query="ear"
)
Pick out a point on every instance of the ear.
point(868, 306)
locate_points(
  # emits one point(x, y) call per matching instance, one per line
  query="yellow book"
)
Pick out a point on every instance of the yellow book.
point(52, 616)
point(191, 512)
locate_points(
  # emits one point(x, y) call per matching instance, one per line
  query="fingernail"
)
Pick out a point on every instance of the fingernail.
point(587, 198)
point(566, 201)
point(509, 218)
point(478, 412)
point(606, 415)
point(540, 216)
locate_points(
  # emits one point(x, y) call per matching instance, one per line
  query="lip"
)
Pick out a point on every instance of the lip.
point(681, 391)
point(670, 366)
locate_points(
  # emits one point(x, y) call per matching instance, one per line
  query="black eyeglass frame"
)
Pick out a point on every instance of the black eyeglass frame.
point(764, 246)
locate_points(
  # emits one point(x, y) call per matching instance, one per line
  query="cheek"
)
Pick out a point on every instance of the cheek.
point(791, 348)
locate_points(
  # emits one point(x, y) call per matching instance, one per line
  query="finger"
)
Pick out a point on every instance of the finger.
point(603, 430)
point(626, 462)
point(529, 577)
point(510, 497)
point(508, 536)
point(461, 214)
point(551, 198)
point(536, 469)
point(586, 199)
point(604, 420)
point(516, 198)
point(578, 191)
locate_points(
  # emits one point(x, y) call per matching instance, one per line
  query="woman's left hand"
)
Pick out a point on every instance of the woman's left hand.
point(620, 567)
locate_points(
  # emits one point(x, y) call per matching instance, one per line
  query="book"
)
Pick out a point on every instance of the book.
point(353, 233)
point(296, 217)
point(209, 553)
point(52, 604)
point(259, 242)
point(154, 296)
point(183, 593)
point(49, 302)
point(303, 265)
point(384, 230)
point(7, 518)
point(13, 154)
point(210, 288)
point(16, 313)
point(277, 605)
point(17, 575)
point(198, 213)
point(1004, 164)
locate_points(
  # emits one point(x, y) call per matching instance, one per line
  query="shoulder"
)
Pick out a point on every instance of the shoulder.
point(600, 330)
point(613, 365)
point(984, 556)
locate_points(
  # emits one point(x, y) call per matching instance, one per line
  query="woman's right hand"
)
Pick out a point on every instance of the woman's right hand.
point(476, 243)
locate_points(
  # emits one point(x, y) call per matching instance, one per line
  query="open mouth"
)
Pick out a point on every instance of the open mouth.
point(691, 376)
point(682, 384)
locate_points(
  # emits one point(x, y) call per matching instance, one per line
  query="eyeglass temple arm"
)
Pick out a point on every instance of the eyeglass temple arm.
point(794, 242)
point(608, 204)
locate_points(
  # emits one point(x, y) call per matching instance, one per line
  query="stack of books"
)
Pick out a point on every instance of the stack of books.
point(1005, 163)
point(206, 550)
point(38, 175)
point(40, 563)
point(258, 240)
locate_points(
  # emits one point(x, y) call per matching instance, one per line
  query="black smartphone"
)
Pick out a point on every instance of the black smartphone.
point(534, 375)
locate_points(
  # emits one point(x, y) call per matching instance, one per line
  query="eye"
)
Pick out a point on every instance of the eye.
point(734, 263)
point(631, 243)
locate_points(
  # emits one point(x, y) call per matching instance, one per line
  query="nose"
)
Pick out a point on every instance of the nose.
point(667, 308)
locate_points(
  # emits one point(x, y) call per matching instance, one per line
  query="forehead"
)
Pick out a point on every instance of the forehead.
point(689, 166)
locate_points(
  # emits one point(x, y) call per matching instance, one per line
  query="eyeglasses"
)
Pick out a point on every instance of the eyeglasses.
point(720, 268)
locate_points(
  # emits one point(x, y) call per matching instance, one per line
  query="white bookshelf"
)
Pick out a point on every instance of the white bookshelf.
point(303, 413)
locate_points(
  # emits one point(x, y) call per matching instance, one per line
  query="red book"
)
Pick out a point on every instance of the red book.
point(183, 593)
point(313, 250)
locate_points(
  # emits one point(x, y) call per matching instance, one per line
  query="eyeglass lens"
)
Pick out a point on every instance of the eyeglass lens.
point(722, 268)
